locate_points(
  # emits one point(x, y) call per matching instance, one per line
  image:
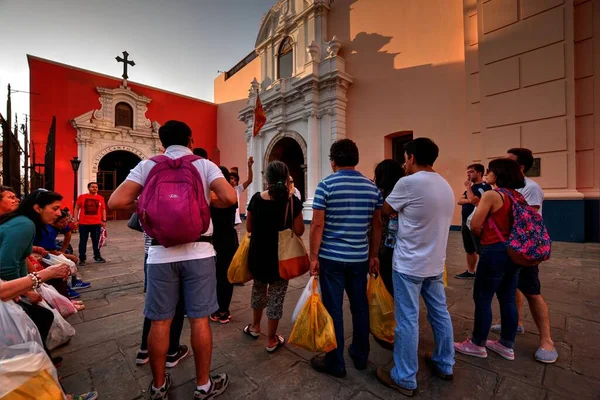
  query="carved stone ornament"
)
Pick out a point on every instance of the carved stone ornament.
point(313, 52)
point(334, 46)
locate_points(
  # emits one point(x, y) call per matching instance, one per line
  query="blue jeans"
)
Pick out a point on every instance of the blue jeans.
point(496, 273)
point(406, 341)
point(336, 276)
point(84, 232)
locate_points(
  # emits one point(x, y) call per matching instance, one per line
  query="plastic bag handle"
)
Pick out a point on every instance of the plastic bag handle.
point(314, 284)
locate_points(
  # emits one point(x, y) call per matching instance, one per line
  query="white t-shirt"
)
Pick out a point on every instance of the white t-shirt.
point(297, 194)
point(425, 203)
point(189, 251)
point(239, 189)
point(533, 193)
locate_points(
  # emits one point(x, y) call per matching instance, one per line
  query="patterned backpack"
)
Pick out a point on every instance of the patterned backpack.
point(529, 242)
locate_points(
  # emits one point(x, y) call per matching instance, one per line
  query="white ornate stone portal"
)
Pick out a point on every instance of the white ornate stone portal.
point(99, 135)
point(309, 105)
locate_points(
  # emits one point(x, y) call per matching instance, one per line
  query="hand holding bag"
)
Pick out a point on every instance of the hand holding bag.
point(293, 257)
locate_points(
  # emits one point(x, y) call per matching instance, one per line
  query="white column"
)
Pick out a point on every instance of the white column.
point(313, 162)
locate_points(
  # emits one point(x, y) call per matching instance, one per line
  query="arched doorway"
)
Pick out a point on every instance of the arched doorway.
point(112, 171)
point(288, 151)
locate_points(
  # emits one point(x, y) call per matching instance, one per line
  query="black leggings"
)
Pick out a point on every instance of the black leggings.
point(41, 317)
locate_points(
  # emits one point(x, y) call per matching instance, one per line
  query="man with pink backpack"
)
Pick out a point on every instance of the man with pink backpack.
point(173, 208)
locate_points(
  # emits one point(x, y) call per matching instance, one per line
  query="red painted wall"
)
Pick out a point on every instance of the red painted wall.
point(67, 92)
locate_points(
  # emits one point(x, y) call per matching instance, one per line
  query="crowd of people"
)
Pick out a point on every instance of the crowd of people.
point(395, 225)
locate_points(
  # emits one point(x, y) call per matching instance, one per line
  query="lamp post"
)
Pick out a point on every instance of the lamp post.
point(75, 164)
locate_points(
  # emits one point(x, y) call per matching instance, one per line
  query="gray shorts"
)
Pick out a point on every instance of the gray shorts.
point(195, 280)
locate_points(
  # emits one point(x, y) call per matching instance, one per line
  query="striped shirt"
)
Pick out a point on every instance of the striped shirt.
point(349, 200)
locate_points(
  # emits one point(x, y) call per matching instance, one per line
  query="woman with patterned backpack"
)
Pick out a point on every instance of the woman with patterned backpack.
point(512, 236)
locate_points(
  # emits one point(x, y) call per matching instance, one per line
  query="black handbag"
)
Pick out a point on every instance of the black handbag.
point(134, 223)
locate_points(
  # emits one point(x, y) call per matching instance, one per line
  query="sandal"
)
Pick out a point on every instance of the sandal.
point(280, 342)
point(79, 307)
point(248, 332)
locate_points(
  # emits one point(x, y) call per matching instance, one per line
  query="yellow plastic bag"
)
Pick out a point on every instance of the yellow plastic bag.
point(238, 271)
point(313, 330)
point(382, 321)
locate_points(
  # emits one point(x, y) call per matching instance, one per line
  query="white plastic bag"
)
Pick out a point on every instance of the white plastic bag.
point(26, 372)
point(57, 300)
point(52, 259)
point(470, 217)
point(304, 297)
point(15, 325)
point(103, 238)
point(60, 331)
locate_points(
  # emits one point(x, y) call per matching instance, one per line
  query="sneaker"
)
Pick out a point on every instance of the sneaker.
point(225, 317)
point(99, 260)
point(498, 329)
point(173, 360)
point(85, 396)
point(158, 394)
point(82, 263)
point(465, 275)
point(318, 364)
point(470, 349)
point(214, 317)
point(497, 347)
point(546, 356)
point(72, 294)
point(142, 357)
point(80, 284)
point(218, 385)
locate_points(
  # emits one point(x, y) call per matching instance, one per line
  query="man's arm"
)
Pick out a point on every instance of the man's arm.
point(76, 213)
point(66, 241)
point(104, 216)
point(473, 199)
point(387, 210)
point(225, 194)
point(250, 173)
point(317, 226)
point(125, 197)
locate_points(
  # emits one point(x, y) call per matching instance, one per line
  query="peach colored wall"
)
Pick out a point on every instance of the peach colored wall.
point(586, 18)
point(231, 96)
point(407, 62)
point(520, 84)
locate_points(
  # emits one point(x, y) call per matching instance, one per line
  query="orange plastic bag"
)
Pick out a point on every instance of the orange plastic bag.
point(382, 321)
point(238, 271)
point(445, 278)
point(313, 330)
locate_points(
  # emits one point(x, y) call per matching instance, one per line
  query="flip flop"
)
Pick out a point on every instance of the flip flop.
point(280, 342)
point(248, 332)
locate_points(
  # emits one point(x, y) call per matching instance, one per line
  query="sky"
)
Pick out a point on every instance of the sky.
point(177, 45)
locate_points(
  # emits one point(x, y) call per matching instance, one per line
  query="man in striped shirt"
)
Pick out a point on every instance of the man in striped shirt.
point(346, 207)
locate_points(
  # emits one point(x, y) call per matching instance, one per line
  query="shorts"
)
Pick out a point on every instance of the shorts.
point(195, 280)
point(529, 281)
point(470, 241)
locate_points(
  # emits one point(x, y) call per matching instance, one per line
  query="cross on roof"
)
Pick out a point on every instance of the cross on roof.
point(125, 61)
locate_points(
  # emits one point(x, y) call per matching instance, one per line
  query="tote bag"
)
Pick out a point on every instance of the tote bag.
point(293, 258)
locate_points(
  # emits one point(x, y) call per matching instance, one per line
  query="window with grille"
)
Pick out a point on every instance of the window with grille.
point(285, 59)
point(124, 115)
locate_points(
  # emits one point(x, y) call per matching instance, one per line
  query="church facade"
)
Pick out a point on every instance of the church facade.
point(110, 124)
point(478, 77)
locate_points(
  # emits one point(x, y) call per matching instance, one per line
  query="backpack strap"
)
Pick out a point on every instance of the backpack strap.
point(493, 225)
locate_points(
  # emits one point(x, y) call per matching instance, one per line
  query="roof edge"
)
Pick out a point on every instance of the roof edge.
point(32, 57)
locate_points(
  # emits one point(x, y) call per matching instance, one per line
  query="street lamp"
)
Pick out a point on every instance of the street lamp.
point(75, 162)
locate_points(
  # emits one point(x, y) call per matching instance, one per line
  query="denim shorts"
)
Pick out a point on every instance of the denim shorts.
point(195, 280)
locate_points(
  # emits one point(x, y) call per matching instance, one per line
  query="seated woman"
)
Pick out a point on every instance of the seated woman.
point(12, 290)
point(46, 243)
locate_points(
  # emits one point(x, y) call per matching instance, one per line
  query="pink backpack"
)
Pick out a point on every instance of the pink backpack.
point(529, 242)
point(172, 208)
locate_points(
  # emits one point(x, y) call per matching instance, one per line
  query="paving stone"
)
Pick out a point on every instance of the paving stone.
point(570, 385)
point(116, 306)
point(95, 303)
point(78, 383)
point(585, 366)
point(97, 285)
point(75, 319)
point(128, 279)
point(115, 369)
point(83, 360)
point(583, 336)
point(298, 383)
point(364, 395)
point(511, 389)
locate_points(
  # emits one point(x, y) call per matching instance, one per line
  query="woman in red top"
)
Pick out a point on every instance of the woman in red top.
point(496, 273)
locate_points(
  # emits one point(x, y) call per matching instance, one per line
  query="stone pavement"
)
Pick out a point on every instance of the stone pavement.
point(102, 354)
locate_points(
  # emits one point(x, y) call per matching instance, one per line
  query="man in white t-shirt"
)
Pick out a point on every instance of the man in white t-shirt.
point(529, 280)
point(190, 267)
point(234, 180)
point(424, 202)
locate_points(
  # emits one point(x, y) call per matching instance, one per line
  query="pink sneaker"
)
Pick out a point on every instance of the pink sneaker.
point(497, 347)
point(469, 348)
